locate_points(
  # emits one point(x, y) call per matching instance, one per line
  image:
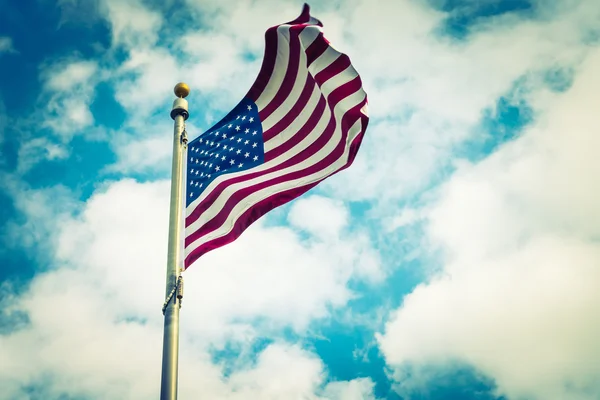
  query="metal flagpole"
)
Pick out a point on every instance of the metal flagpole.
point(174, 290)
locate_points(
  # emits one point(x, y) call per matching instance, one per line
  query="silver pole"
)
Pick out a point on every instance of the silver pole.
point(168, 383)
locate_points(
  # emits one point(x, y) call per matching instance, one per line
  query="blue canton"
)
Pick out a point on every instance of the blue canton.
point(234, 144)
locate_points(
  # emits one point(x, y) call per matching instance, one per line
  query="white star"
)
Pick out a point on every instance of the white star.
point(224, 136)
point(246, 142)
point(202, 175)
point(202, 184)
point(254, 133)
point(192, 171)
point(251, 119)
point(225, 147)
point(238, 152)
point(191, 159)
point(231, 148)
point(191, 194)
point(217, 168)
point(254, 144)
point(238, 117)
point(218, 144)
point(223, 158)
point(240, 165)
point(255, 158)
point(247, 155)
point(244, 118)
point(197, 184)
point(216, 156)
point(197, 172)
point(192, 148)
point(210, 165)
point(247, 130)
point(200, 140)
point(231, 138)
point(239, 140)
point(237, 128)
point(249, 108)
point(209, 175)
point(231, 162)
point(195, 151)
point(229, 126)
point(217, 133)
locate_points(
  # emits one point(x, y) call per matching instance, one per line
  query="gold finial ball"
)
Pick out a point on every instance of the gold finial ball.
point(181, 90)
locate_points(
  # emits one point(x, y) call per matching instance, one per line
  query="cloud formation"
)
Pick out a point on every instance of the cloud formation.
point(519, 292)
point(507, 241)
point(103, 297)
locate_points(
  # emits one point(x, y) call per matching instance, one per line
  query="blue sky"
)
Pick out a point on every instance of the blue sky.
point(456, 259)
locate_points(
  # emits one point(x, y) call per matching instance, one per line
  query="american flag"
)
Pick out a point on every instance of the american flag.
point(302, 121)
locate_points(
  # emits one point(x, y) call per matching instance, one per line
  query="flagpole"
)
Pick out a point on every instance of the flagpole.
point(170, 356)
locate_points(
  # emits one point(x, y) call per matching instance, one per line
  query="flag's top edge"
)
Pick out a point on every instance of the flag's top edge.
point(305, 18)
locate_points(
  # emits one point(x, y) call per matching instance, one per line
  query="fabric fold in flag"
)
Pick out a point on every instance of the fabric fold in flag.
point(302, 121)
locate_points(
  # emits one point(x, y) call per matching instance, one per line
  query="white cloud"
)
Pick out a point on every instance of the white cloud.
point(6, 45)
point(148, 150)
point(504, 233)
point(519, 294)
point(357, 389)
point(41, 207)
point(68, 93)
point(66, 76)
point(39, 149)
point(108, 272)
point(427, 93)
point(132, 23)
point(145, 81)
point(407, 216)
point(319, 216)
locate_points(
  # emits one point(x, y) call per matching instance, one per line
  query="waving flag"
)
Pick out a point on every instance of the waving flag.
point(302, 121)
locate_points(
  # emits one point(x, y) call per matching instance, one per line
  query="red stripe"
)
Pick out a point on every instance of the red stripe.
point(335, 68)
point(248, 218)
point(338, 66)
point(316, 48)
point(218, 220)
point(304, 154)
point(266, 70)
point(270, 55)
point(296, 109)
point(259, 209)
point(335, 97)
point(304, 131)
point(289, 79)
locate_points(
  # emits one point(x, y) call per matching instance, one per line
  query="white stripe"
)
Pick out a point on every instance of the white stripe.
point(306, 37)
point(324, 60)
point(299, 122)
point(341, 108)
point(287, 133)
point(309, 34)
point(338, 80)
point(281, 62)
point(258, 196)
point(333, 83)
point(292, 97)
point(307, 141)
